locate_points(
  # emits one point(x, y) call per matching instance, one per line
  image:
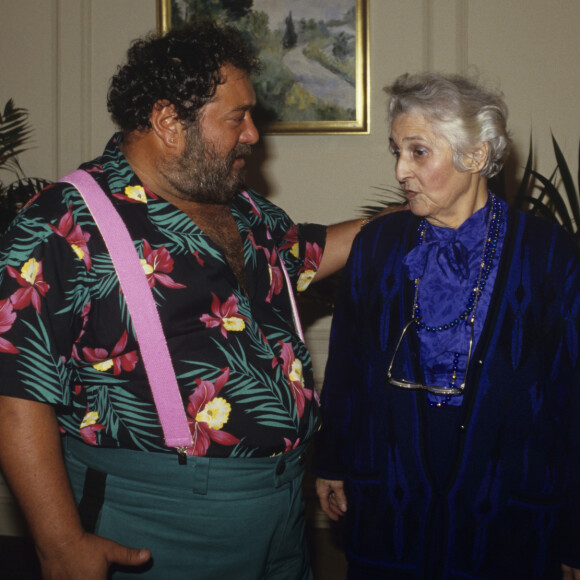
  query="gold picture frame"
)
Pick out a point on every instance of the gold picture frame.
point(315, 82)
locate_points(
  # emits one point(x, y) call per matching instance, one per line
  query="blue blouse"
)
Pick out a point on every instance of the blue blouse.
point(447, 265)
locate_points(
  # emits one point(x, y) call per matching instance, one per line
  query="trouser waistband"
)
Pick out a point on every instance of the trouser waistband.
point(199, 474)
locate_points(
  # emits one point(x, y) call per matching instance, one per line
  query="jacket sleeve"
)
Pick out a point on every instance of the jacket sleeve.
point(342, 375)
point(570, 357)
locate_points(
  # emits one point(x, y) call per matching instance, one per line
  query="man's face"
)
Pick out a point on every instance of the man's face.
point(211, 168)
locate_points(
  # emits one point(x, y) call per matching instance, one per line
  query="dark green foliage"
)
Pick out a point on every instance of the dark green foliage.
point(15, 133)
point(343, 46)
point(237, 8)
point(541, 195)
point(290, 37)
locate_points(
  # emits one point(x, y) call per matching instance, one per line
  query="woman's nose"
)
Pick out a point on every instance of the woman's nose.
point(401, 170)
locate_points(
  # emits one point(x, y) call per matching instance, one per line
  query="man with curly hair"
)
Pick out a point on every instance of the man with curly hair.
point(81, 440)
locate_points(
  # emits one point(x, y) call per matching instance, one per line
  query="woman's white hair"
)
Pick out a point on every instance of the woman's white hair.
point(460, 110)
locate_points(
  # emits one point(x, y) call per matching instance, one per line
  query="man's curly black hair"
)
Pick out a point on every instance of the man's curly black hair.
point(181, 67)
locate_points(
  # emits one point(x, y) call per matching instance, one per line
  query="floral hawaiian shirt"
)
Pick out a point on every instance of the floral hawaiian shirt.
point(66, 338)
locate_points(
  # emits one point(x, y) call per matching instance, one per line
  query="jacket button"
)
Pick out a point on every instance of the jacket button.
point(281, 467)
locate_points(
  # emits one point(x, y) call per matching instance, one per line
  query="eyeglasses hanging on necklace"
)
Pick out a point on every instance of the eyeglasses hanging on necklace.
point(467, 316)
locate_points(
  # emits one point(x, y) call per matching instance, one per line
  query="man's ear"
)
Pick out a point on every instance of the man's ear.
point(165, 124)
point(478, 158)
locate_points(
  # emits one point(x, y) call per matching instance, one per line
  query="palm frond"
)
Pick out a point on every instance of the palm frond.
point(554, 200)
point(388, 196)
point(15, 132)
point(524, 185)
point(568, 183)
point(550, 202)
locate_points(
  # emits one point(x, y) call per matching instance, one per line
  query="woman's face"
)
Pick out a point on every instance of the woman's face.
point(424, 167)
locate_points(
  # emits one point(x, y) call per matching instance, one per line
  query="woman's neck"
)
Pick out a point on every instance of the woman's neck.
point(464, 209)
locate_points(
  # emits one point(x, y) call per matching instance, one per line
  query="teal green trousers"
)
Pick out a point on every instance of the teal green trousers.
point(211, 519)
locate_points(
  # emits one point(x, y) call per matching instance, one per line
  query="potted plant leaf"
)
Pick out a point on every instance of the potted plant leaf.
point(541, 195)
point(15, 134)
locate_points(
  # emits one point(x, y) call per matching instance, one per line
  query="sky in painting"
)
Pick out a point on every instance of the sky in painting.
point(277, 10)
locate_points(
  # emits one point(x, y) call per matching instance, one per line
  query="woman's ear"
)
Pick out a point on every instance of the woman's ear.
point(165, 124)
point(478, 158)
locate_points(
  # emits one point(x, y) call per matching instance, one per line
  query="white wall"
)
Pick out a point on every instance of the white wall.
point(56, 57)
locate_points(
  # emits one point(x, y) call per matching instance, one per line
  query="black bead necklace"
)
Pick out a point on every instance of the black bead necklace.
point(490, 242)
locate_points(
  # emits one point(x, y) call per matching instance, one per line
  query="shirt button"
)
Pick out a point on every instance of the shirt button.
point(461, 429)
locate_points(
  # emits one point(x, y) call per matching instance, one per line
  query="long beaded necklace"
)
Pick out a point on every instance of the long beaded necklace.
point(490, 243)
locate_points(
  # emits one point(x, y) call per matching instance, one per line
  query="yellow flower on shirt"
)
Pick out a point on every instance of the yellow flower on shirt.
point(78, 251)
point(295, 250)
point(295, 374)
point(29, 271)
point(147, 268)
point(103, 365)
point(91, 418)
point(215, 413)
point(234, 323)
point(304, 280)
point(136, 193)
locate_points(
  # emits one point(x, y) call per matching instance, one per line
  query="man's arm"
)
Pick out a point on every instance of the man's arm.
point(32, 463)
point(339, 238)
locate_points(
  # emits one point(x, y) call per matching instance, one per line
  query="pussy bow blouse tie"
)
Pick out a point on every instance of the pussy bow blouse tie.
point(448, 253)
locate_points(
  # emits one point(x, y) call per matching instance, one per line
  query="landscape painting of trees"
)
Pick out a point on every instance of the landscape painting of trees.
point(314, 57)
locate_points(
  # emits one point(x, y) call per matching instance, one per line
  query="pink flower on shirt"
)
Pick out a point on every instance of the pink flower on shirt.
point(90, 427)
point(289, 445)
point(255, 210)
point(75, 236)
point(225, 315)
point(275, 273)
point(208, 413)
point(157, 264)
point(103, 361)
point(84, 317)
point(292, 368)
point(7, 318)
point(32, 284)
point(312, 259)
point(291, 240)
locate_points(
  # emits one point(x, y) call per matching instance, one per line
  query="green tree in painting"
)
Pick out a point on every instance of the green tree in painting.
point(340, 48)
point(237, 8)
point(290, 37)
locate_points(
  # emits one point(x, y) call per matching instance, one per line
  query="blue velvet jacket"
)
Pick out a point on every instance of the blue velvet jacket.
point(488, 489)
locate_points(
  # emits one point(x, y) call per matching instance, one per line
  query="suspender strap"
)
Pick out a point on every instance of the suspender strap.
point(295, 313)
point(142, 308)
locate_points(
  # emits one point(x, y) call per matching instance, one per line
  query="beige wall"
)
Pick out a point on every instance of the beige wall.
point(56, 57)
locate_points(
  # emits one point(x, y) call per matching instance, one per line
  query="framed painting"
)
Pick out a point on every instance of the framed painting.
point(315, 77)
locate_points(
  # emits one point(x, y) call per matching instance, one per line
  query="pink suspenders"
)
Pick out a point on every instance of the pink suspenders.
point(143, 310)
point(141, 304)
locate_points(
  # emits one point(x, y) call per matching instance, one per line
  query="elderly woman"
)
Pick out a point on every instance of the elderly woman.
point(451, 405)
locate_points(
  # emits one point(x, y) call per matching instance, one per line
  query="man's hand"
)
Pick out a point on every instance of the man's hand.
point(32, 462)
point(88, 558)
point(332, 498)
